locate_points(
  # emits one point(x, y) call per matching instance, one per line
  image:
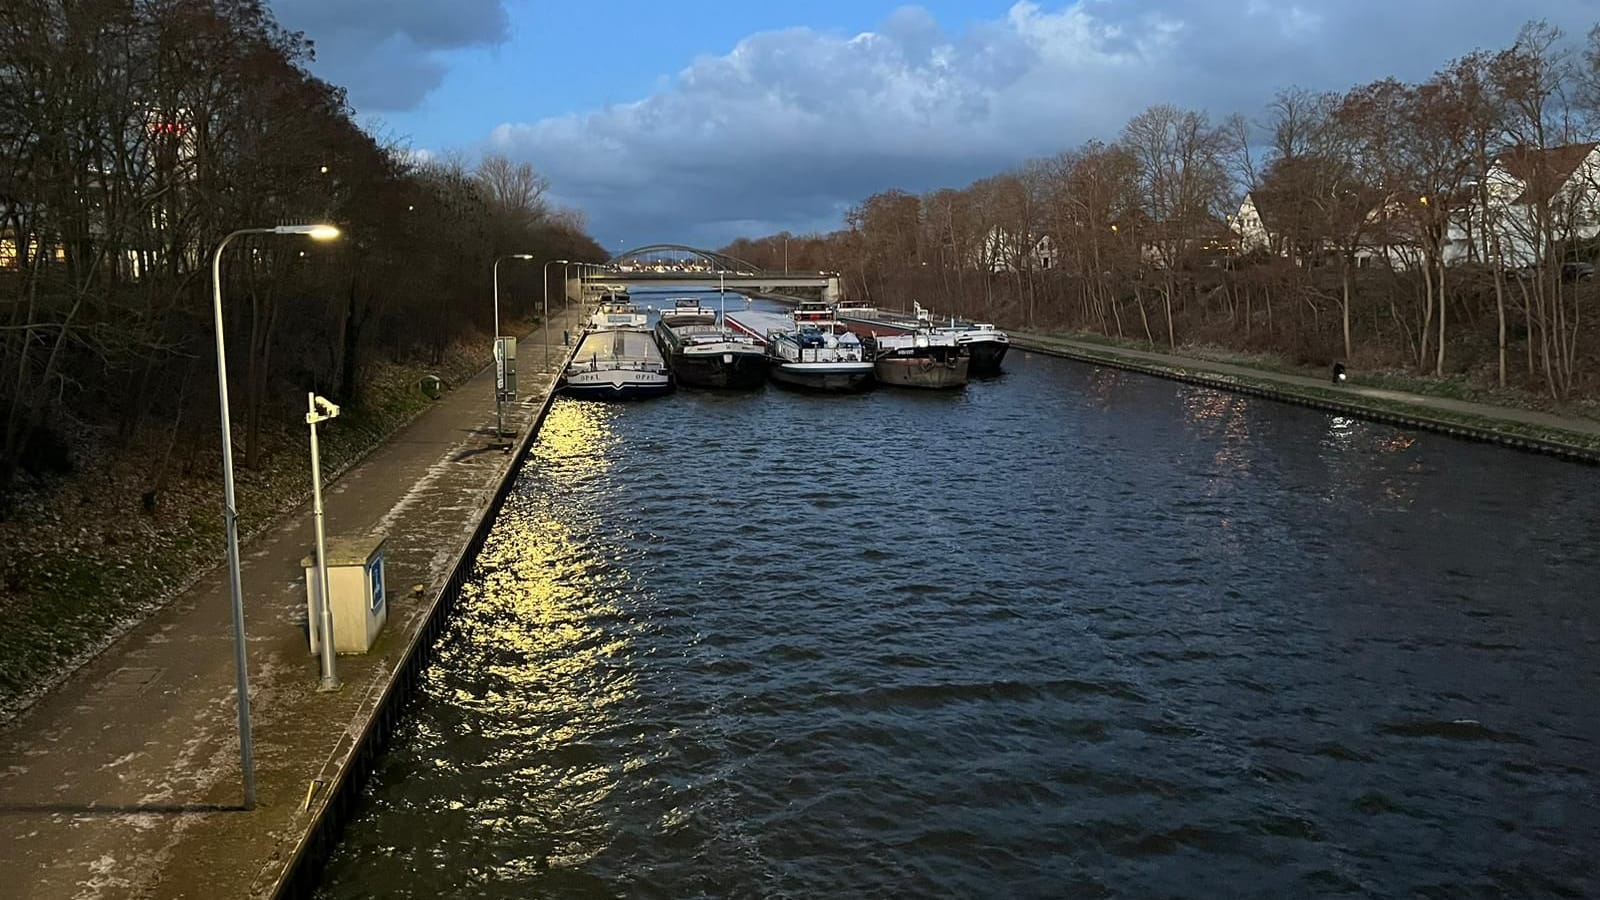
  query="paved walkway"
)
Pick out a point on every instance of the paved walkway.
point(124, 782)
point(1421, 402)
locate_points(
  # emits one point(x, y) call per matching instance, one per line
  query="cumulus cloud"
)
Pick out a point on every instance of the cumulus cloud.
point(391, 53)
point(791, 126)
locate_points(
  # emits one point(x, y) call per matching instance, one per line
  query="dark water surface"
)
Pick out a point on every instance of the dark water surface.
point(1068, 633)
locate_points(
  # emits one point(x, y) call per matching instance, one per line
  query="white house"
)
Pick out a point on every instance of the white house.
point(1526, 183)
point(1251, 224)
point(1044, 252)
point(999, 252)
point(1387, 239)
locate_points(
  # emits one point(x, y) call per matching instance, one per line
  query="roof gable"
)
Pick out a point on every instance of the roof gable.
point(1271, 208)
point(1543, 171)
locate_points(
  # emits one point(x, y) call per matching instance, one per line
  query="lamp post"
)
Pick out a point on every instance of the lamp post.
point(566, 297)
point(499, 411)
point(546, 328)
point(587, 273)
point(230, 513)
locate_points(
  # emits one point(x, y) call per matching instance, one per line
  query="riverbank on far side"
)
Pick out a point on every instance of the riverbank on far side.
point(1567, 437)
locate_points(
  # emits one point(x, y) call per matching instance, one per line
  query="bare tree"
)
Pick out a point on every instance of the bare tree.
point(1482, 114)
point(1532, 79)
point(1410, 222)
point(514, 189)
point(1183, 183)
point(137, 134)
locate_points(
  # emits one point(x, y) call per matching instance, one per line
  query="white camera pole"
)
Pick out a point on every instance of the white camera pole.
point(330, 676)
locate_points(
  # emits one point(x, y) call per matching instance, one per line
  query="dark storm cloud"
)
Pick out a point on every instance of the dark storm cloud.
point(792, 126)
point(389, 52)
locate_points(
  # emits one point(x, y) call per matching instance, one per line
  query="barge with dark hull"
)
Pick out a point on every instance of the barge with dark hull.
point(712, 356)
point(985, 344)
point(919, 360)
point(688, 311)
point(816, 360)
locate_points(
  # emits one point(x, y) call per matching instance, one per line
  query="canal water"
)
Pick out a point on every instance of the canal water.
point(1070, 632)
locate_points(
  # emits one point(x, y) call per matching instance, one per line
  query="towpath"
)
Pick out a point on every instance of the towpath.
point(124, 782)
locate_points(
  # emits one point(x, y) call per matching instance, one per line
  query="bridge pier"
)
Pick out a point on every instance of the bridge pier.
point(833, 291)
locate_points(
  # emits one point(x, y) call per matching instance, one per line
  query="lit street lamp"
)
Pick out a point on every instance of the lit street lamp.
point(230, 514)
point(499, 413)
point(547, 307)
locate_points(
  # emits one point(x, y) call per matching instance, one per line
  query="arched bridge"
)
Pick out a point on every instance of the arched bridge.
point(679, 265)
point(719, 261)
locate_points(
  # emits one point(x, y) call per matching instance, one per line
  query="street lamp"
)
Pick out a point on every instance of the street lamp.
point(583, 269)
point(546, 329)
point(566, 295)
point(230, 513)
point(586, 271)
point(499, 413)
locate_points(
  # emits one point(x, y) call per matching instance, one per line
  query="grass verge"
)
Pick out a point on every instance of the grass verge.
point(1577, 444)
point(1452, 387)
point(85, 562)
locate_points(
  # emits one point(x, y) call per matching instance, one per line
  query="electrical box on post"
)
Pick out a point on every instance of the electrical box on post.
point(356, 591)
point(505, 368)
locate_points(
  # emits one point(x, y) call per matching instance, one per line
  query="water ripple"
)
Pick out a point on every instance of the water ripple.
point(1066, 633)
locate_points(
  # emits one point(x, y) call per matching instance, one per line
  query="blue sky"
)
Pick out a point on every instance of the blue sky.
point(569, 57)
point(698, 121)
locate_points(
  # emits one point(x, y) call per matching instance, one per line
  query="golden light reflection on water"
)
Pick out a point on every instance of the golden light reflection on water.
point(577, 439)
point(624, 712)
point(545, 596)
point(549, 623)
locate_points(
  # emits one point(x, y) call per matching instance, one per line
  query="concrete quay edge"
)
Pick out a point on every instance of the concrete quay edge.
point(1416, 416)
point(352, 762)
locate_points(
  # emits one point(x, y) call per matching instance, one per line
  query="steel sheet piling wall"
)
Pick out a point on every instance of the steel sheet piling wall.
point(339, 793)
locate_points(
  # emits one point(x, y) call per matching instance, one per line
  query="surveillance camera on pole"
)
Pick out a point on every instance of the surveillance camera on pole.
point(324, 623)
